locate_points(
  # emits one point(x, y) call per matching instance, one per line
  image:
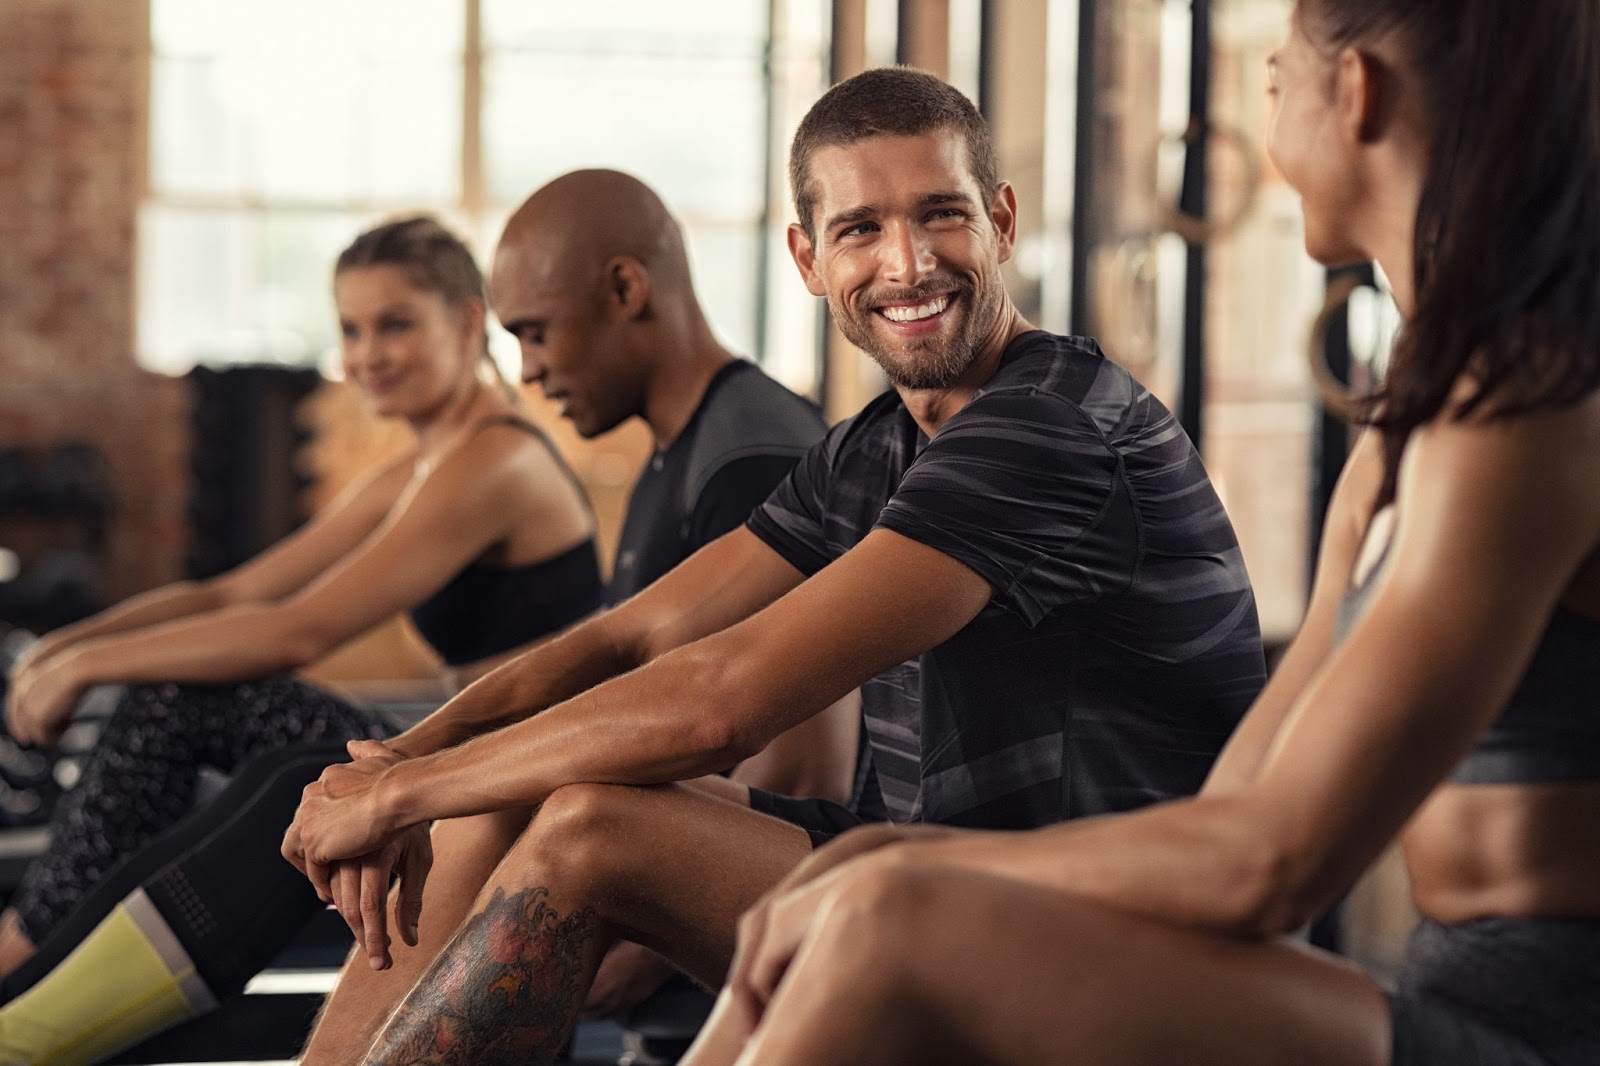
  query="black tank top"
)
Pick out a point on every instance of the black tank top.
point(486, 609)
point(1549, 730)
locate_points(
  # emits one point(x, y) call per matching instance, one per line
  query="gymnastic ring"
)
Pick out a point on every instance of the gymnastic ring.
point(1198, 229)
point(1335, 395)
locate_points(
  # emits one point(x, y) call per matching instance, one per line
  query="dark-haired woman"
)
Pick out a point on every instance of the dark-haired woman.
point(479, 531)
point(1445, 685)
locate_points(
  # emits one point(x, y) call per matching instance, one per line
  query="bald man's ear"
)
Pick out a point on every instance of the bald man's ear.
point(627, 286)
point(804, 256)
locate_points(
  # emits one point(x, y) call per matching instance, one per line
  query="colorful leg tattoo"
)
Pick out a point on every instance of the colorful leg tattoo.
point(506, 989)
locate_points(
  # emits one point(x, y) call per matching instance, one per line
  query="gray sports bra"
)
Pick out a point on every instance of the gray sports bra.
point(1549, 730)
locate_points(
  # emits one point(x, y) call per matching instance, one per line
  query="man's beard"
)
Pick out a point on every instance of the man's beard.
point(935, 362)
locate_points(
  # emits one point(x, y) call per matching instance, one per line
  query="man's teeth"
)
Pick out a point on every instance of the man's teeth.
point(911, 314)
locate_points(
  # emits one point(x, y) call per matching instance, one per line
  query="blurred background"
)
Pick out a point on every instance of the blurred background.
point(176, 177)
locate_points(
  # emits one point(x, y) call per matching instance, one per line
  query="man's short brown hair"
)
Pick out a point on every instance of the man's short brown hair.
point(887, 101)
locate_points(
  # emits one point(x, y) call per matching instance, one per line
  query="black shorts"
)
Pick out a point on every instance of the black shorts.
point(1499, 992)
point(821, 819)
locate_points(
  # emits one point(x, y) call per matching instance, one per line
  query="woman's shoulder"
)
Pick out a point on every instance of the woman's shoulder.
point(1539, 465)
point(505, 445)
point(509, 461)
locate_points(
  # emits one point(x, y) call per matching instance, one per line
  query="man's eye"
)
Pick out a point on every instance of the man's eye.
point(859, 229)
point(396, 325)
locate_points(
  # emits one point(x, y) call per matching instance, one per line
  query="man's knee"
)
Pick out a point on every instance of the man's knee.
point(585, 837)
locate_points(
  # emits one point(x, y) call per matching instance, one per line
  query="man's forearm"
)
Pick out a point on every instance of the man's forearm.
point(545, 675)
point(679, 719)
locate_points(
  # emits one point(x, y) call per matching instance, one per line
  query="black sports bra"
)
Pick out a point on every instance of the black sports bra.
point(1549, 730)
point(485, 609)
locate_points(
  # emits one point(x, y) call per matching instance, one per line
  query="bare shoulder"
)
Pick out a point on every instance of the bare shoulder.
point(1553, 451)
point(1519, 495)
point(508, 474)
point(509, 457)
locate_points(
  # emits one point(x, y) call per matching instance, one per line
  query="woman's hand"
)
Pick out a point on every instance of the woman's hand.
point(854, 843)
point(772, 931)
point(42, 697)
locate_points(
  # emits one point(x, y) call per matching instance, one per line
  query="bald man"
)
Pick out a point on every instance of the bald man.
point(592, 278)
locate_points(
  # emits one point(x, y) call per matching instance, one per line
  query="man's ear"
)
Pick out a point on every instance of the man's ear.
point(627, 286)
point(1003, 213)
point(804, 256)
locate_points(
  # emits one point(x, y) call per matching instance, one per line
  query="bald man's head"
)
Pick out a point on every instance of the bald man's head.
point(567, 231)
point(581, 266)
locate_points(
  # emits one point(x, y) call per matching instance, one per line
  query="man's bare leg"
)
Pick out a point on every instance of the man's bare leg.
point(465, 853)
point(669, 867)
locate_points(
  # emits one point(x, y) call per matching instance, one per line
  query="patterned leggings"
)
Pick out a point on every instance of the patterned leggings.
point(141, 777)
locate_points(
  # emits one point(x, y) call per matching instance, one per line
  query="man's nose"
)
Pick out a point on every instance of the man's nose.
point(907, 255)
point(532, 368)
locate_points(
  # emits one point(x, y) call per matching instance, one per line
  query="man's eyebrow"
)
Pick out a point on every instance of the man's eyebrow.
point(866, 211)
point(855, 214)
point(516, 325)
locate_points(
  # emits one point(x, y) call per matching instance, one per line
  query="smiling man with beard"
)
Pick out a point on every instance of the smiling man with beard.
point(1015, 553)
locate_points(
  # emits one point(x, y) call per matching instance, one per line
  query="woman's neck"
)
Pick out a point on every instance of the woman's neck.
point(470, 404)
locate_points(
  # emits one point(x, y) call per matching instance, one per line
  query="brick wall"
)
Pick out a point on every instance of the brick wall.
point(73, 90)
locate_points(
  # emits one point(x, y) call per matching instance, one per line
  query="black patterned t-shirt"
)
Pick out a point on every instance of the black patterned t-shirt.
point(1121, 645)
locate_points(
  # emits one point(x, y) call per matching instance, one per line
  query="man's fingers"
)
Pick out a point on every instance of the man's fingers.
point(321, 876)
point(347, 896)
point(415, 863)
point(373, 893)
point(362, 749)
point(291, 849)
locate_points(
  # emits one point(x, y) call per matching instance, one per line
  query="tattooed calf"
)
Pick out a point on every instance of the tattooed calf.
point(506, 989)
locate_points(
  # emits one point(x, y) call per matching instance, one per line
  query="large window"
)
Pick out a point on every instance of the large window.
point(278, 131)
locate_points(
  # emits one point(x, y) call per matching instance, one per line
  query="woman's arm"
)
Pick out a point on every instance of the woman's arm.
point(1349, 513)
point(275, 573)
point(1495, 520)
point(440, 523)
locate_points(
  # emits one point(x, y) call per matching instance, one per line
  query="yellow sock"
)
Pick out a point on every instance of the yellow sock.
point(129, 979)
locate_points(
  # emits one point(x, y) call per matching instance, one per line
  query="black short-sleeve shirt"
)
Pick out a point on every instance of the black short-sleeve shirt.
point(1121, 645)
point(744, 437)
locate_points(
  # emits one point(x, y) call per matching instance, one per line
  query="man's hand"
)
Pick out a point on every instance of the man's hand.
point(356, 881)
point(41, 698)
point(627, 974)
point(361, 890)
point(338, 816)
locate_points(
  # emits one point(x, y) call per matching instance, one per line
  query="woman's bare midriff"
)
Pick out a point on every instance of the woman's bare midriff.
point(1476, 851)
